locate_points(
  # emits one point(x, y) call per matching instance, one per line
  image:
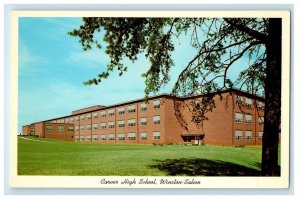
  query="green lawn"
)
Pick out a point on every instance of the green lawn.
point(71, 158)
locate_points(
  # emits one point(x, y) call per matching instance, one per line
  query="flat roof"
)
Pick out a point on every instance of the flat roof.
point(150, 98)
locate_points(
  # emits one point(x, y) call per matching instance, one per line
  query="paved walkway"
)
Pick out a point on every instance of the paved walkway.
point(34, 139)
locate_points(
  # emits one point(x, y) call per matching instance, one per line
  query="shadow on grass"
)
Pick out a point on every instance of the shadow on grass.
point(202, 167)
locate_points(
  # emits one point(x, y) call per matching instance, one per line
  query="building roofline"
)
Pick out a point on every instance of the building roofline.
point(150, 98)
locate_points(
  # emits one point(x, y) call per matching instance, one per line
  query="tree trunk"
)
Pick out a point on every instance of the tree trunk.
point(272, 116)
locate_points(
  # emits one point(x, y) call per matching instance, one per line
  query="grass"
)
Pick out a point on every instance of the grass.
point(87, 159)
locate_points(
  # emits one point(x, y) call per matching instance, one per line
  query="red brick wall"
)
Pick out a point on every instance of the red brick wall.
point(61, 135)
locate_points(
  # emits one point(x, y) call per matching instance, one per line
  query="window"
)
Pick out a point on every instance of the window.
point(260, 135)
point(156, 119)
point(111, 136)
point(77, 118)
point(71, 120)
point(143, 121)
point(156, 135)
point(95, 115)
point(88, 137)
point(71, 128)
point(32, 130)
point(67, 120)
point(60, 128)
point(82, 117)
point(88, 116)
point(111, 124)
point(143, 106)
point(238, 100)
point(261, 120)
point(121, 123)
point(95, 137)
point(76, 137)
point(121, 110)
point(261, 106)
point(103, 113)
point(121, 136)
point(103, 125)
point(95, 126)
point(131, 136)
point(103, 137)
point(156, 104)
point(238, 117)
point(81, 128)
point(248, 135)
point(248, 119)
point(88, 127)
point(248, 102)
point(82, 138)
point(111, 112)
point(76, 128)
point(49, 128)
point(131, 108)
point(131, 122)
point(143, 136)
point(238, 135)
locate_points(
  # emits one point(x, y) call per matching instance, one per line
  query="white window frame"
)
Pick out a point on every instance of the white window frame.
point(156, 104)
point(131, 136)
point(88, 116)
point(95, 115)
point(88, 127)
point(261, 120)
point(131, 122)
point(103, 114)
point(111, 124)
point(143, 121)
point(143, 135)
point(248, 102)
point(70, 128)
point(131, 108)
point(121, 123)
point(238, 135)
point(95, 137)
point(81, 117)
point(143, 106)
point(60, 128)
point(248, 119)
point(95, 125)
point(48, 129)
point(102, 125)
point(156, 135)
point(121, 137)
point(111, 136)
point(111, 112)
point(248, 135)
point(156, 119)
point(103, 137)
point(260, 135)
point(238, 119)
point(121, 110)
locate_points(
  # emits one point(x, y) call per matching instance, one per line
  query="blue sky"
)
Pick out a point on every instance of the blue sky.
point(52, 67)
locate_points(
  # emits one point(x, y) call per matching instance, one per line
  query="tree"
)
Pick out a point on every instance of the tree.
point(220, 42)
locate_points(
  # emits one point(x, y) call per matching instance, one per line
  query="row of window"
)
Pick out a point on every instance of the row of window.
point(247, 135)
point(120, 136)
point(248, 102)
point(59, 128)
point(120, 123)
point(239, 118)
point(111, 112)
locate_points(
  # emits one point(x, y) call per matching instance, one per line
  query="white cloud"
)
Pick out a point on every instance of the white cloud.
point(88, 59)
point(29, 61)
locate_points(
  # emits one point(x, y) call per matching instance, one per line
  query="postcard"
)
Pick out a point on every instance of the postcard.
point(149, 99)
